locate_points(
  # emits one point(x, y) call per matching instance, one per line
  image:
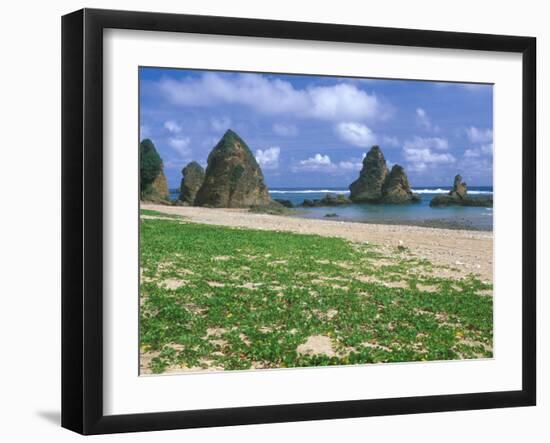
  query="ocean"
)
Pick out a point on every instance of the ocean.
point(420, 214)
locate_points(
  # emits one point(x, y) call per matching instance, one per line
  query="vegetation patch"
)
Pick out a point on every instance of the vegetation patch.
point(220, 298)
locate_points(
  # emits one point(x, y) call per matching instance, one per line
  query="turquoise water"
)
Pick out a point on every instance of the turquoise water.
point(414, 214)
point(420, 214)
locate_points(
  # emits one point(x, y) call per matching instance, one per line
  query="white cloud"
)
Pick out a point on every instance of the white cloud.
point(476, 170)
point(424, 120)
point(268, 158)
point(172, 126)
point(221, 124)
point(318, 161)
point(484, 150)
point(487, 149)
point(476, 135)
point(180, 145)
point(349, 165)
point(285, 130)
point(438, 143)
point(342, 101)
point(419, 152)
point(427, 156)
point(274, 96)
point(175, 164)
point(390, 141)
point(354, 164)
point(323, 163)
point(471, 153)
point(356, 134)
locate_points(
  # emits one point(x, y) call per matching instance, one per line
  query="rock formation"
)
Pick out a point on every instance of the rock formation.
point(376, 185)
point(159, 188)
point(396, 188)
point(153, 186)
point(284, 202)
point(233, 178)
point(327, 200)
point(193, 177)
point(368, 187)
point(460, 188)
point(458, 196)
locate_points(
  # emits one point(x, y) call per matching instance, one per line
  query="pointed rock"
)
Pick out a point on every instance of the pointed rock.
point(396, 188)
point(459, 188)
point(152, 181)
point(368, 187)
point(458, 196)
point(233, 178)
point(376, 185)
point(193, 177)
point(160, 187)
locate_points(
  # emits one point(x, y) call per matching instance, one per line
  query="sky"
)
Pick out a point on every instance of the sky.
point(313, 131)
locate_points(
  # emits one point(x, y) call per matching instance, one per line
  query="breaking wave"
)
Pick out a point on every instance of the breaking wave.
point(310, 191)
point(346, 191)
point(446, 191)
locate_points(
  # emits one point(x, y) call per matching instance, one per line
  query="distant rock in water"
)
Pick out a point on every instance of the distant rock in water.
point(396, 189)
point(327, 200)
point(193, 177)
point(376, 185)
point(233, 178)
point(152, 181)
point(460, 189)
point(285, 203)
point(458, 196)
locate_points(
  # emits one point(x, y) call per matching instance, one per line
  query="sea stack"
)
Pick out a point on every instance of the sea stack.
point(368, 187)
point(233, 178)
point(397, 189)
point(160, 187)
point(193, 178)
point(458, 196)
point(376, 185)
point(153, 185)
point(460, 189)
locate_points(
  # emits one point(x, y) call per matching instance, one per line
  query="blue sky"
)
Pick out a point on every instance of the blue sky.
point(313, 131)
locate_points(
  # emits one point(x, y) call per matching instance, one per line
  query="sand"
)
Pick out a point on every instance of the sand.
point(463, 250)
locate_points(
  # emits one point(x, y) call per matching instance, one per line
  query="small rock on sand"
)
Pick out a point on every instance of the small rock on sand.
point(173, 283)
point(317, 345)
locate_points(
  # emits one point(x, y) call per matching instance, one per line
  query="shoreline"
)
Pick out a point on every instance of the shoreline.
point(435, 223)
point(465, 251)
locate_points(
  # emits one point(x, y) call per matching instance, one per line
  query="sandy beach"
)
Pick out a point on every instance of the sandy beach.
point(462, 251)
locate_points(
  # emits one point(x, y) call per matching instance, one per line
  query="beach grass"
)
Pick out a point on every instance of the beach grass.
point(221, 298)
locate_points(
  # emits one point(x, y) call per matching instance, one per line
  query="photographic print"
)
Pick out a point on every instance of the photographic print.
point(292, 221)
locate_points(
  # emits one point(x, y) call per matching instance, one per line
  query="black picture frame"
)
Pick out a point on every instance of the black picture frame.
point(82, 218)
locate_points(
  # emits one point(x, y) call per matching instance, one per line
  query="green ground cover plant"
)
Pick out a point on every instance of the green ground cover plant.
point(220, 298)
